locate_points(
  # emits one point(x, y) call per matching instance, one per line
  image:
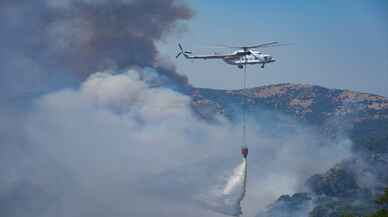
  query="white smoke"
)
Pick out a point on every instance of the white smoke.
point(116, 130)
point(104, 149)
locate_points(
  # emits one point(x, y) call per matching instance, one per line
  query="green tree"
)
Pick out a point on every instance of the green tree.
point(382, 200)
point(380, 213)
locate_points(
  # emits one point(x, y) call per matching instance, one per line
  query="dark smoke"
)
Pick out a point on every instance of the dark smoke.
point(42, 39)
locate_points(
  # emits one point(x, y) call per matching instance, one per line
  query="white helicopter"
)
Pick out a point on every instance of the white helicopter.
point(240, 57)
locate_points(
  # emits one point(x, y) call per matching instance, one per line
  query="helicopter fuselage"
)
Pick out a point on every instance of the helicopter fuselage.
point(242, 57)
point(250, 58)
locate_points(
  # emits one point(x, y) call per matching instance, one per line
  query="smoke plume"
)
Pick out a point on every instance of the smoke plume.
point(44, 40)
point(118, 145)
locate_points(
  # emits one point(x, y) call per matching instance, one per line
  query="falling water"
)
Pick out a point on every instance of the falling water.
point(226, 198)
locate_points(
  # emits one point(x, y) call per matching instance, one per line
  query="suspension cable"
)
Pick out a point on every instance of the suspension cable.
point(244, 104)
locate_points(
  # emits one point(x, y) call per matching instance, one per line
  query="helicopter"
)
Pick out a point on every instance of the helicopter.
point(241, 57)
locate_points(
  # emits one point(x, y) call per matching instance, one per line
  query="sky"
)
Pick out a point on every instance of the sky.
point(336, 44)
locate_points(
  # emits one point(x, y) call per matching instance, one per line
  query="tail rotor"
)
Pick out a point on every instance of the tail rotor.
point(181, 51)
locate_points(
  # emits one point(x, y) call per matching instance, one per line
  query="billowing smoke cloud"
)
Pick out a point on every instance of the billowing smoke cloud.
point(88, 150)
point(119, 146)
point(41, 41)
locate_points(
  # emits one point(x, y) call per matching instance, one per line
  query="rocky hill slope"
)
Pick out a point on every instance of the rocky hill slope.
point(365, 114)
point(362, 116)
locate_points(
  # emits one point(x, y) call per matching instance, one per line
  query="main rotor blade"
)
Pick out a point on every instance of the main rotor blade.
point(178, 55)
point(277, 45)
point(216, 46)
point(226, 46)
point(264, 45)
point(180, 46)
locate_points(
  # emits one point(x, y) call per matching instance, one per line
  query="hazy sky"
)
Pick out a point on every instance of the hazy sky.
point(337, 44)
